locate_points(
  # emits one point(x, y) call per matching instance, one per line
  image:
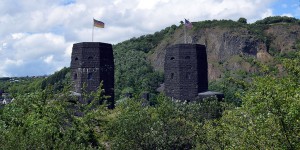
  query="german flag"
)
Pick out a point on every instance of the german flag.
point(98, 24)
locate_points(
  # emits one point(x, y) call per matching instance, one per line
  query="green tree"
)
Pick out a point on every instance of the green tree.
point(167, 125)
point(268, 118)
point(242, 20)
point(44, 120)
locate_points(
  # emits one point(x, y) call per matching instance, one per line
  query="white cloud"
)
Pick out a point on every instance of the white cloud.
point(16, 36)
point(2, 47)
point(48, 59)
point(36, 45)
point(150, 4)
point(41, 32)
point(13, 62)
point(68, 51)
point(268, 13)
point(9, 63)
point(34, 54)
point(288, 15)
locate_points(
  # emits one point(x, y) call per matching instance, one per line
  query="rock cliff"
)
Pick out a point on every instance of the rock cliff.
point(227, 47)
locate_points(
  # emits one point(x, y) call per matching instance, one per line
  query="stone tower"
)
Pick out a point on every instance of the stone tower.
point(185, 71)
point(91, 63)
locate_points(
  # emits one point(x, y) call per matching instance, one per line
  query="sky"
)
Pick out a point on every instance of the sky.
point(36, 36)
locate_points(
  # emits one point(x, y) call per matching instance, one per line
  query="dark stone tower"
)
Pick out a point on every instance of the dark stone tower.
point(185, 71)
point(91, 63)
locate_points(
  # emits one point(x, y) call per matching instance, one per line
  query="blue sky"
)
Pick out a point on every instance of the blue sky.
point(288, 7)
point(36, 36)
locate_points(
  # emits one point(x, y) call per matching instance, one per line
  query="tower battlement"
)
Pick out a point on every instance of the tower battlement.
point(185, 71)
point(91, 63)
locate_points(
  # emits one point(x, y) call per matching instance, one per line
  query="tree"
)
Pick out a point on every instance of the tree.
point(269, 117)
point(167, 125)
point(242, 20)
point(44, 120)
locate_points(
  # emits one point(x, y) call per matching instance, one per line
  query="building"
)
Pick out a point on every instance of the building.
point(1, 92)
point(91, 63)
point(186, 73)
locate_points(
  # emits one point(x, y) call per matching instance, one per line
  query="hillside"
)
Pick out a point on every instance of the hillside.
point(261, 109)
point(234, 49)
point(230, 44)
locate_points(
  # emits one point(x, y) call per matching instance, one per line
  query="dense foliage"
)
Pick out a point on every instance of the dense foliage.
point(277, 19)
point(21, 85)
point(255, 28)
point(260, 111)
point(217, 23)
point(267, 118)
point(44, 120)
point(57, 80)
point(133, 73)
point(146, 43)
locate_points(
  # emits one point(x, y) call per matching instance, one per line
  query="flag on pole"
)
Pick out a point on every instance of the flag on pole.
point(98, 24)
point(188, 24)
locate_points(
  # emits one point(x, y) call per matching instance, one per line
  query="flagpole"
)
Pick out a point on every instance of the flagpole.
point(93, 32)
point(184, 30)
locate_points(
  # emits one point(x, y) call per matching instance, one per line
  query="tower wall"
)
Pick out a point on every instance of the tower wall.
point(91, 63)
point(185, 71)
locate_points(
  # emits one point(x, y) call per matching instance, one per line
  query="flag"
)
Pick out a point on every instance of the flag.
point(188, 24)
point(98, 24)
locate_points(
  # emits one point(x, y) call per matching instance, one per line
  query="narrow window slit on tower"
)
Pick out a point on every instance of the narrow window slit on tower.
point(90, 76)
point(172, 75)
point(172, 58)
point(75, 76)
point(188, 75)
point(76, 58)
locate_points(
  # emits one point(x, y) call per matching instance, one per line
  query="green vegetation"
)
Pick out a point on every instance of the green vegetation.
point(255, 28)
point(146, 43)
point(261, 114)
point(277, 19)
point(57, 80)
point(132, 69)
point(217, 23)
point(44, 120)
point(261, 110)
point(22, 85)
point(167, 125)
point(242, 20)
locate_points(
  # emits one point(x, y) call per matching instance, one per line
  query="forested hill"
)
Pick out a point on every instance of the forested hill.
point(231, 45)
point(234, 48)
point(256, 66)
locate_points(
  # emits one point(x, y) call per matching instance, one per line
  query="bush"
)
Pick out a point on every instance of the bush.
point(242, 20)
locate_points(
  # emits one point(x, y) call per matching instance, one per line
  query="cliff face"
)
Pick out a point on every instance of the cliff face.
point(284, 37)
point(228, 47)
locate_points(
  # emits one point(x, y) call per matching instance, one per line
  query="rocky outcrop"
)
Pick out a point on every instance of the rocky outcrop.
point(225, 45)
point(262, 55)
point(284, 37)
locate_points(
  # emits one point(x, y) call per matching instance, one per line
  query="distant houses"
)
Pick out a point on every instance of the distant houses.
point(18, 79)
point(5, 98)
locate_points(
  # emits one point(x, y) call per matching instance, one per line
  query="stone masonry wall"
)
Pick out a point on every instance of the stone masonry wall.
point(185, 71)
point(91, 63)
